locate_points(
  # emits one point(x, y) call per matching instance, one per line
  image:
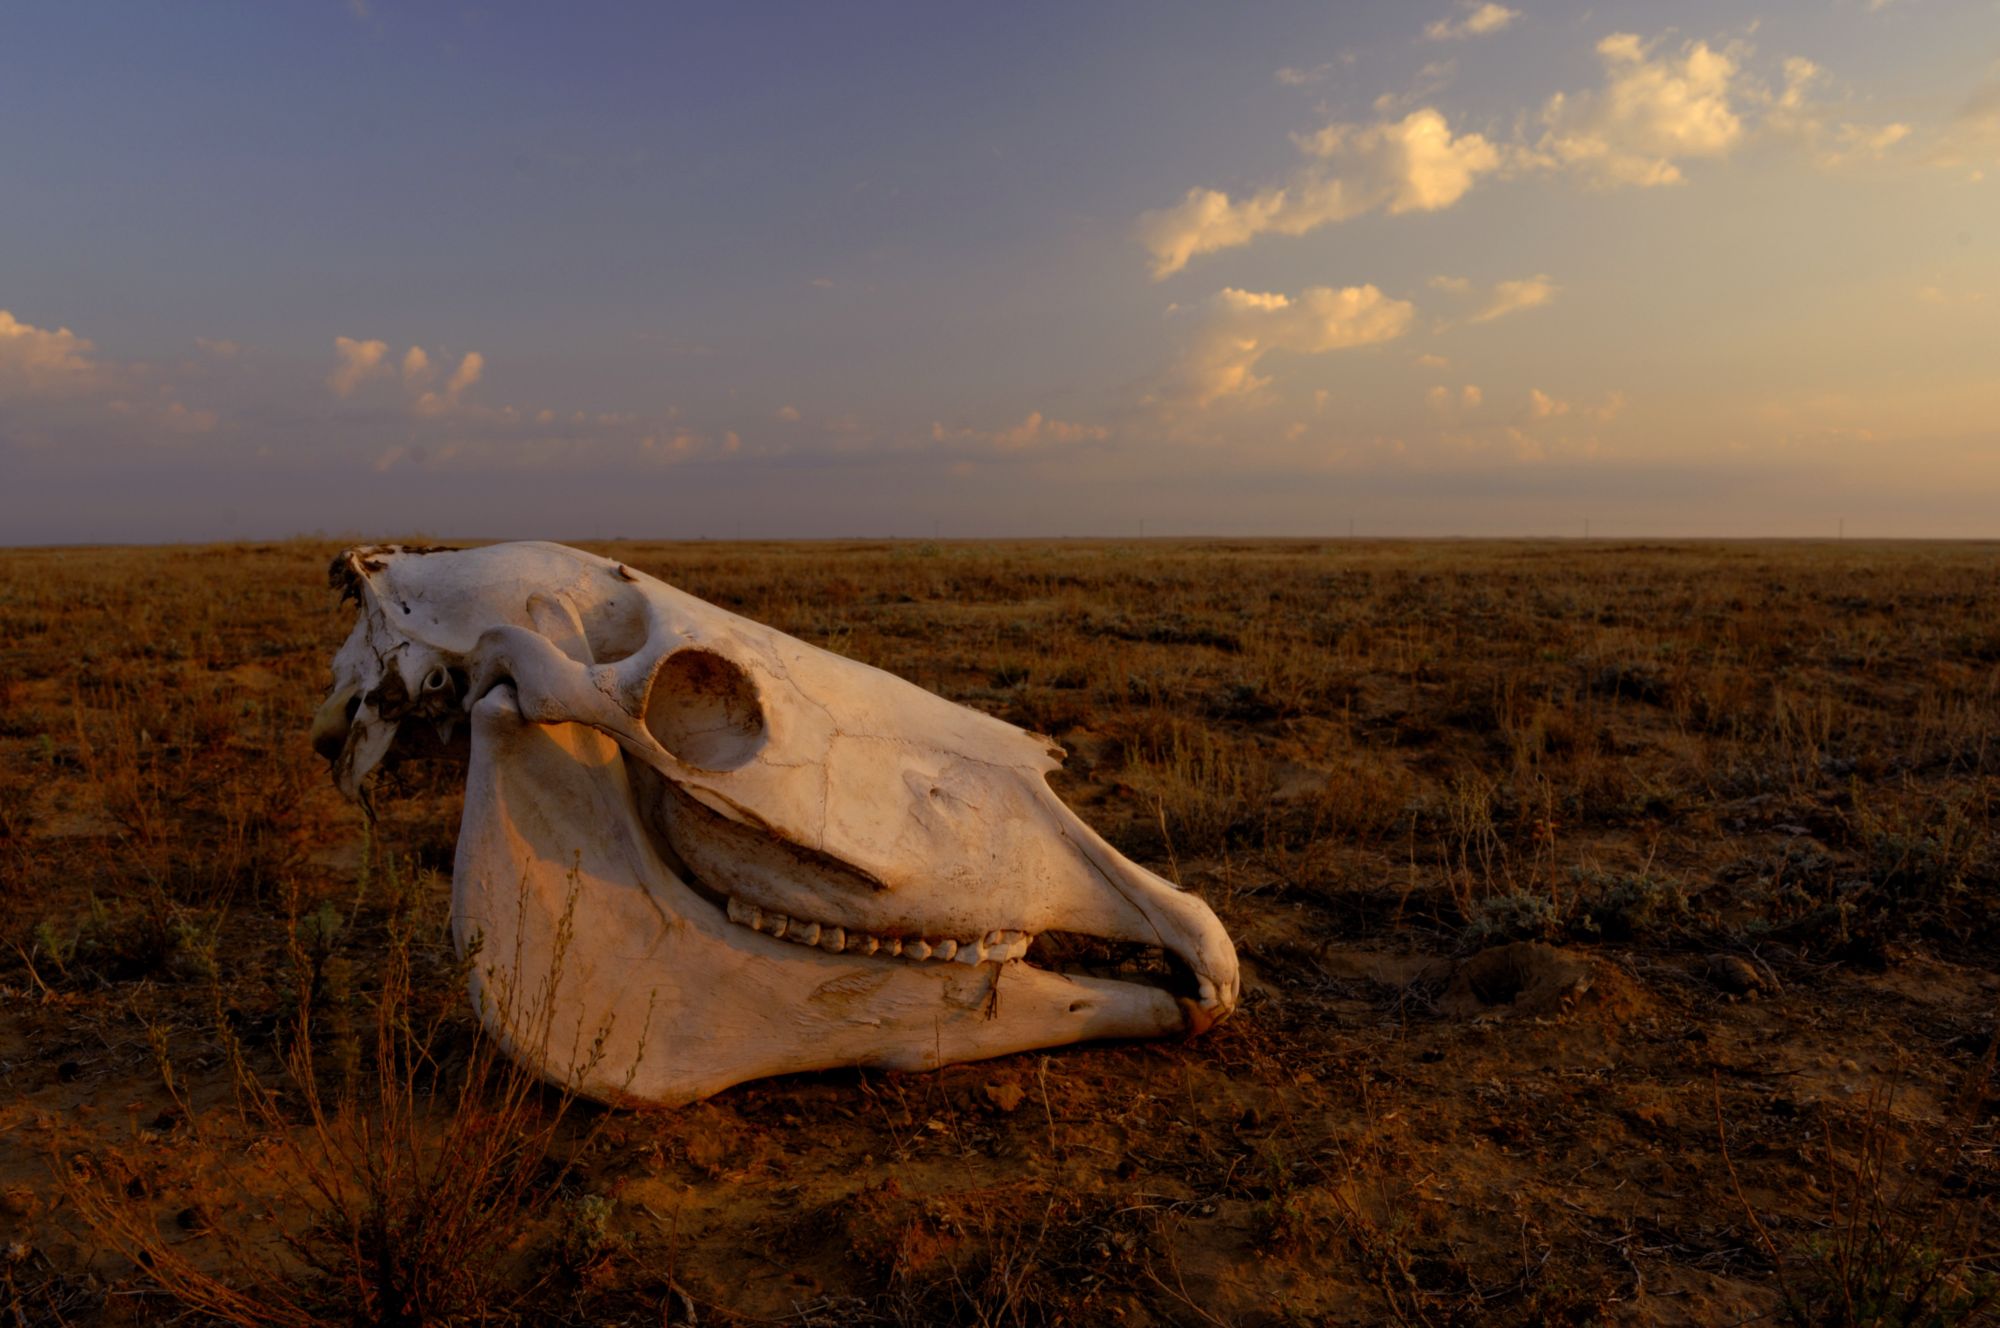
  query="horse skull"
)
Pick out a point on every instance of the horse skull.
point(709, 852)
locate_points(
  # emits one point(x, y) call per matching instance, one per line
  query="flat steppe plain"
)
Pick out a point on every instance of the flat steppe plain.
point(1620, 925)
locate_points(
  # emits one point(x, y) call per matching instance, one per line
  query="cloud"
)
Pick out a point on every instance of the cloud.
point(1970, 141)
point(1800, 75)
point(1429, 81)
point(1034, 431)
point(1853, 143)
point(1793, 115)
point(1477, 22)
point(467, 373)
point(1650, 115)
point(358, 361)
point(470, 367)
point(1542, 406)
point(1511, 297)
point(1656, 109)
point(1409, 165)
point(1415, 164)
point(1293, 77)
point(1433, 361)
point(1983, 106)
point(416, 367)
point(165, 415)
point(1239, 328)
point(788, 414)
point(64, 395)
point(1938, 295)
point(36, 360)
point(1503, 298)
point(220, 347)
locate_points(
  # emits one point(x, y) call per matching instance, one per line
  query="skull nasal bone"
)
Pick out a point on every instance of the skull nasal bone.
point(705, 710)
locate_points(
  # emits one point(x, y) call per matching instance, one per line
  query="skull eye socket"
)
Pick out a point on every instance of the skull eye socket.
point(704, 709)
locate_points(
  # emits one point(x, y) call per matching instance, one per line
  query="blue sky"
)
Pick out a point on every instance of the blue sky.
point(1455, 268)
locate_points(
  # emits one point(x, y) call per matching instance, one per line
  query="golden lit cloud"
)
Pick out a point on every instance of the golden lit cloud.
point(416, 367)
point(1501, 299)
point(1511, 297)
point(72, 393)
point(1970, 141)
point(1649, 116)
point(1294, 77)
point(1478, 21)
point(1444, 401)
point(1655, 110)
point(1415, 164)
point(34, 359)
point(165, 415)
point(1239, 328)
point(1036, 430)
point(1854, 143)
point(469, 369)
point(357, 361)
point(1542, 406)
point(1792, 115)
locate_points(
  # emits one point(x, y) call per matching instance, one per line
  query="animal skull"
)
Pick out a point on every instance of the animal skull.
point(697, 851)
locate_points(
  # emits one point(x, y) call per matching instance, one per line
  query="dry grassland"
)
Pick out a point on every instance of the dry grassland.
point(1621, 932)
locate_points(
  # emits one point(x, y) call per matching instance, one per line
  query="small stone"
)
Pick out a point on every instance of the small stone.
point(1004, 1097)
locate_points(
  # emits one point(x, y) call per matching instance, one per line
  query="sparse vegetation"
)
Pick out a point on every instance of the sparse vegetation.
point(1730, 807)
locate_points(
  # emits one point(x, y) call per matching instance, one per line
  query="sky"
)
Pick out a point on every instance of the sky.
point(1433, 267)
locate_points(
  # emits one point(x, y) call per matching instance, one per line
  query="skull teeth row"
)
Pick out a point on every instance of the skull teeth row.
point(993, 947)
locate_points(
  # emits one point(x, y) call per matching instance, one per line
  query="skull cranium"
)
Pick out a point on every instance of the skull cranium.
point(730, 854)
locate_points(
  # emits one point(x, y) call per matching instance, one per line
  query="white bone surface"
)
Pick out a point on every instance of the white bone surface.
point(697, 851)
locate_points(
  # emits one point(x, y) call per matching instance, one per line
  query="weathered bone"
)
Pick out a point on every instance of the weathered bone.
point(697, 851)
